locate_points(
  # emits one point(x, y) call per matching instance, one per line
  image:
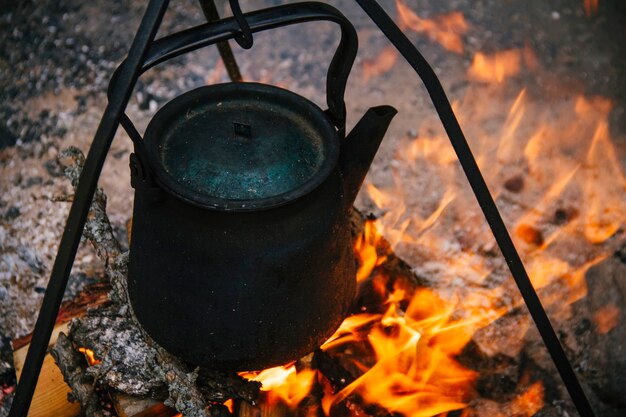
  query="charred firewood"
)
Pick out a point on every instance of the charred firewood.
point(219, 386)
point(339, 378)
point(337, 375)
point(74, 369)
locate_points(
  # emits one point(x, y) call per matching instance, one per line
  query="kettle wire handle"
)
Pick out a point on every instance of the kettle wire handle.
point(245, 39)
point(206, 34)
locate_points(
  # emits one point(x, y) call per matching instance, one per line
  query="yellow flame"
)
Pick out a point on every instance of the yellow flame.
point(415, 372)
point(284, 383)
point(502, 65)
point(366, 249)
point(496, 68)
point(90, 356)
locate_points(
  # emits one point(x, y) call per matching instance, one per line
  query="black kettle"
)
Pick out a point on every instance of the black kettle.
point(241, 253)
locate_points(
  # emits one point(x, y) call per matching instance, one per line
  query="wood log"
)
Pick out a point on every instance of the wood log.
point(50, 398)
point(130, 406)
point(73, 366)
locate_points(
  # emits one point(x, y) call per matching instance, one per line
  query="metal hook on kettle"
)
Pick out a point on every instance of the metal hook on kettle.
point(245, 39)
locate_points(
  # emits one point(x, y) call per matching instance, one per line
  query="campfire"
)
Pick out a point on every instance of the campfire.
point(438, 327)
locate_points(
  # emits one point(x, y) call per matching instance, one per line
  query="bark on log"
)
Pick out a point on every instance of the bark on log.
point(98, 228)
point(73, 367)
point(50, 398)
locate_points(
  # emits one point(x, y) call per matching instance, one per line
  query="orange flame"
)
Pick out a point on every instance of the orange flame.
point(382, 64)
point(415, 373)
point(591, 7)
point(560, 177)
point(498, 67)
point(606, 318)
point(530, 402)
point(567, 198)
point(284, 383)
point(446, 29)
point(90, 356)
point(366, 249)
point(605, 211)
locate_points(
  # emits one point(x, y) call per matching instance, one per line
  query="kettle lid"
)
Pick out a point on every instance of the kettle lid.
point(241, 146)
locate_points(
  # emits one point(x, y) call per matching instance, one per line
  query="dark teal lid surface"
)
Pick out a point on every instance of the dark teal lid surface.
point(241, 145)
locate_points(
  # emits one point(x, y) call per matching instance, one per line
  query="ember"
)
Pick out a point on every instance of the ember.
point(90, 355)
point(591, 7)
point(607, 318)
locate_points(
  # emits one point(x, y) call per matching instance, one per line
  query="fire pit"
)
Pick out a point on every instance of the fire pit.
point(450, 333)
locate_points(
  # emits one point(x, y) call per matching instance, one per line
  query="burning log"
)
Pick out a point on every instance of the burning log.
point(50, 397)
point(74, 369)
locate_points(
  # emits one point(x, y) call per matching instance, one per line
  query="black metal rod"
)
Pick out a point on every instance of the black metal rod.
point(244, 38)
point(211, 14)
point(485, 200)
point(80, 207)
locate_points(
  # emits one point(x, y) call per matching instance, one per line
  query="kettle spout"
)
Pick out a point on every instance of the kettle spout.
point(359, 148)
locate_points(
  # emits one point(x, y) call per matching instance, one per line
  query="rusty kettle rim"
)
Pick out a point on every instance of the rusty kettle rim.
point(306, 119)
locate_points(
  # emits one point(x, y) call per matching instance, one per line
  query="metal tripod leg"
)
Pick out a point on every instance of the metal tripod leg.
point(82, 202)
point(485, 200)
point(211, 14)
